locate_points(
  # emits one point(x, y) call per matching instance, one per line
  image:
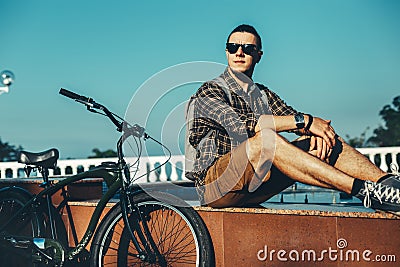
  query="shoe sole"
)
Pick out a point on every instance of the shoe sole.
point(396, 213)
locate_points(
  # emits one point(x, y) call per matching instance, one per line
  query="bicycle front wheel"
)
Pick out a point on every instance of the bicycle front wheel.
point(178, 233)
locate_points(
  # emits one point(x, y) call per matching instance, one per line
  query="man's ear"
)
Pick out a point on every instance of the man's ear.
point(259, 53)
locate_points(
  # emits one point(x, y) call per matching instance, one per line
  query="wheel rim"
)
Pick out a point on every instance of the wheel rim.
point(172, 232)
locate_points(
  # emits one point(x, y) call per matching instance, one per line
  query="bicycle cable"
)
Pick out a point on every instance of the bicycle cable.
point(139, 146)
point(159, 166)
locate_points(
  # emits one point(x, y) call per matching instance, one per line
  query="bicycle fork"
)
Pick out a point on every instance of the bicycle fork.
point(149, 252)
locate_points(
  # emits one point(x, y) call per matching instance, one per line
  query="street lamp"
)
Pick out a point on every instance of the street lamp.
point(6, 79)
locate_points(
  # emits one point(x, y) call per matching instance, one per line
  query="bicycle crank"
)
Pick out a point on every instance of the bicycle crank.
point(48, 251)
point(44, 250)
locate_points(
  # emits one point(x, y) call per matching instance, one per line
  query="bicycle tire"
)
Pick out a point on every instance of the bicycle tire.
point(179, 233)
point(29, 224)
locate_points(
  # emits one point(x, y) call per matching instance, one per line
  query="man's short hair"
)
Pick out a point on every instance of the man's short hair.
point(249, 29)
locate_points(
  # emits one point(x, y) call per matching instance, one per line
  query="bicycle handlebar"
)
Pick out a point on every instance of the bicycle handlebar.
point(91, 104)
point(72, 95)
point(134, 130)
point(82, 99)
point(123, 126)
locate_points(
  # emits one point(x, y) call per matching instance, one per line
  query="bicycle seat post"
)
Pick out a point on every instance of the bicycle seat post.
point(46, 184)
point(45, 175)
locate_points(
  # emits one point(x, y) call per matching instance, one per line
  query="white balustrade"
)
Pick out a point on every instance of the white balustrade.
point(372, 152)
point(173, 170)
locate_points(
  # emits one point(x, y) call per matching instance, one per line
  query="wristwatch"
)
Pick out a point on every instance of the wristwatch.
point(299, 119)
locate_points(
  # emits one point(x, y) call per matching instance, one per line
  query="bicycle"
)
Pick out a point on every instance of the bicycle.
point(139, 230)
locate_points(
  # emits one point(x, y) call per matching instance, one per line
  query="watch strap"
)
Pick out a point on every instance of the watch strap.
point(310, 121)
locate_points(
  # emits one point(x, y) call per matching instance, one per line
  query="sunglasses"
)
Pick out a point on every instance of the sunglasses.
point(248, 49)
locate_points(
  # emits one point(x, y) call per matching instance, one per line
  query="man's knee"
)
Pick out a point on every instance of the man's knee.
point(262, 145)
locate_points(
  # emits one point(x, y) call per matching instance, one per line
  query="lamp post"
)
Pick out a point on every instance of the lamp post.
point(6, 79)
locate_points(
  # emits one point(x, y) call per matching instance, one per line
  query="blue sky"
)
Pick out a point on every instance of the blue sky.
point(338, 60)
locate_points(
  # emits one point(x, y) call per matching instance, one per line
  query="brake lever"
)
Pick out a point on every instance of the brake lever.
point(135, 130)
point(89, 103)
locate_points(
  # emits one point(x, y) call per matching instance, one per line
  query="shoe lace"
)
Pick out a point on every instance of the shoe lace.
point(394, 168)
point(368, 187)
point(379, 191)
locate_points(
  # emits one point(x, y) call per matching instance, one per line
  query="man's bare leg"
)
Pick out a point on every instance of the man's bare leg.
point(355, 164)
point(295, 163)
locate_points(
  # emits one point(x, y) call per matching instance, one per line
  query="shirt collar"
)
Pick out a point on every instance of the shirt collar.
point(234, 85)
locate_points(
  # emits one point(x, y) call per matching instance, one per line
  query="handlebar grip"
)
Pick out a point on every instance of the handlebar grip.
point(90, 103)
point(72, 95)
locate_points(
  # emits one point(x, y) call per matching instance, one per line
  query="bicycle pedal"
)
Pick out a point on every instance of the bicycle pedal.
point(21, 243)
point(39, 242)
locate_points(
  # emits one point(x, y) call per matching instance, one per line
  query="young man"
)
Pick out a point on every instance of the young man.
point(242, 160)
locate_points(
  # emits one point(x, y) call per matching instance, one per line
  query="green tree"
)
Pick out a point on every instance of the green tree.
point(358, 142)
point(103, 154)
point(8, 152)
point(389, 134)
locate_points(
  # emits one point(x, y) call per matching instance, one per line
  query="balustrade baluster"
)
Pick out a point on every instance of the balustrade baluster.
point(394, 159)
point(174, 174)
point(384, 165)
point(372, 157)
point(62, 170)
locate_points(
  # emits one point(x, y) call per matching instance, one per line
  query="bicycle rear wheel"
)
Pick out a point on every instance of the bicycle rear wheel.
point(32, 223)
point(178, 233)
point(27, 224)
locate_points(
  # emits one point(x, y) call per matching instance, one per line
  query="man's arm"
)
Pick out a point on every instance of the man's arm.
point(323, 132)
point(284, 120)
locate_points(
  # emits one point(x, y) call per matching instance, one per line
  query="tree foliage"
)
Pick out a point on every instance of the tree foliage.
point(389, 133)
point(8, 152)
point(357, 142)
point(103, 154)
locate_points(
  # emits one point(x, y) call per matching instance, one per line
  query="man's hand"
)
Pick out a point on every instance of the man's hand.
point(320, 148)
point(322, 128)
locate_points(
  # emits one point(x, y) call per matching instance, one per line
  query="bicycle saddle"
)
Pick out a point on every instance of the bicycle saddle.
point(45, 159)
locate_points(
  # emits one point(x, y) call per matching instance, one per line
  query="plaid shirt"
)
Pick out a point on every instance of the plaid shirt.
point(230, 123)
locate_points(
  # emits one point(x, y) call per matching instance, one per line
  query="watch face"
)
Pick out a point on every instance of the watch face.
point(299, 118)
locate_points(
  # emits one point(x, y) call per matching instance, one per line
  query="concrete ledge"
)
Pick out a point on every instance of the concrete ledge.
point(339, 214)
point(271, 237)
point(267, 237)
